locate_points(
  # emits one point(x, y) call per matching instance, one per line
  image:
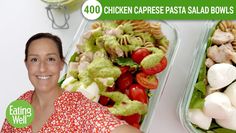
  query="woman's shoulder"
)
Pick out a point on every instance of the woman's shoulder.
point(26, 96)
point(70, 98)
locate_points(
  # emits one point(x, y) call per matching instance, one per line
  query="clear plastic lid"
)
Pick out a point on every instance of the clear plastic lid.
point(171, 34)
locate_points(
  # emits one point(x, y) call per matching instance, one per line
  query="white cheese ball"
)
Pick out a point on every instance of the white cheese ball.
point(231, 93)
point(198, 118)
point(91, 92)
point(217, 105)
point(229, 123)
point(221, 75)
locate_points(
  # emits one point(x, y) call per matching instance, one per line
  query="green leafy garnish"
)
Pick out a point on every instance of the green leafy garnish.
point(197, 101)
point(223, 130)
point(201, 87)
point(73, 57)
point(126, 62)
point(202, 72)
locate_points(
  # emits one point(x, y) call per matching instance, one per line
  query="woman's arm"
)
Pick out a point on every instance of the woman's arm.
point(125, 129)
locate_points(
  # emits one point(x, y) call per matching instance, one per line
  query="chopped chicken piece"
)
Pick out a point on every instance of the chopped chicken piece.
point(114, 32)
point(229, 46)
point(219, 37)
point(99, 54)
point(87, 35)
point(78, 48)
point(222, 54)
point(209, 62)
point(233, 56)
point(73, 65)
point(86, 56)
point(82, 66)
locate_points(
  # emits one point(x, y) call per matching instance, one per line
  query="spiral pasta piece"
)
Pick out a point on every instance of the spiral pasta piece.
point(226, 26)
point(124, 40)
point(234, 41)
point(234, 25)
point(163, 48)
point(149, 44)
point(163, 44)
point(234, 44)
point(120, 22)
point(140, 25)
point(155, 30)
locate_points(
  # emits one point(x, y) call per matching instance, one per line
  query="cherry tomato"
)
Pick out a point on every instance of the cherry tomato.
point(139, 54)
point(147, 81)
point(157, 68)
point(124, 69)
point(137, 92)
point(105, 100)
point(127, 91)
point(119, 117)
point(136, 125)
point(110, 89)
point(124, 81)
point(132, 119)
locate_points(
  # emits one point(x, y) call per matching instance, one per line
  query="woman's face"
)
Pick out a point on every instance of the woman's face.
point(44, 64)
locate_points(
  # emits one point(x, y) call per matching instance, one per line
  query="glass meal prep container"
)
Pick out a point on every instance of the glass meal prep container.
point(207, 105)
point(168, 30)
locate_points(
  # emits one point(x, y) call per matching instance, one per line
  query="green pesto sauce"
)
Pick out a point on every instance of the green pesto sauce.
point(151, 60)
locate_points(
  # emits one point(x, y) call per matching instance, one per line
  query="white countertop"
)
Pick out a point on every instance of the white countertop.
point(24, 18)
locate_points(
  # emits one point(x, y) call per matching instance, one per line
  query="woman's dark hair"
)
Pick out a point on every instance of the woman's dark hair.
point(37, 36)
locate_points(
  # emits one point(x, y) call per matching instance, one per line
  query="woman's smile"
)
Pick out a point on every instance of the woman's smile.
point(43, 77)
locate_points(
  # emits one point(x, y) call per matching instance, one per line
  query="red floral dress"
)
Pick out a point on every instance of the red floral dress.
point(74, 113)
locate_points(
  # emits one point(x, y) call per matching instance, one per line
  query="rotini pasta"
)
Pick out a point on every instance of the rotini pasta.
point(163, 44)
point(234, 44)
point(149, 44)
point(140, 25)
point(120, 22)
point(123, 36)
point(155, 30)
point(124, 39)
point(226, 26)
point(137, 25)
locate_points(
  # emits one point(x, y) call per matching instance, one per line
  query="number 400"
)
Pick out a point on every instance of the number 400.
point(92, 9)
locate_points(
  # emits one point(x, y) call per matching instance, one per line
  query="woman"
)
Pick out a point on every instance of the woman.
point(57, 110)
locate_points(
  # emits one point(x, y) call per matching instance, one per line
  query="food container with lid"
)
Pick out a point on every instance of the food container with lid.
point(168, 30)
point(63, 6)
point(206, 106)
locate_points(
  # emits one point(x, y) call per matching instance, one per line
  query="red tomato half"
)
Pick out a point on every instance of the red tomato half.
point(139, 54)
point(132, 119)
point(156, 69)
point(137, 92)
point(119, 117)
point(136, 125)
point(124, 81)
point(105, 100)
point(147, 81)
point(124, 69)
